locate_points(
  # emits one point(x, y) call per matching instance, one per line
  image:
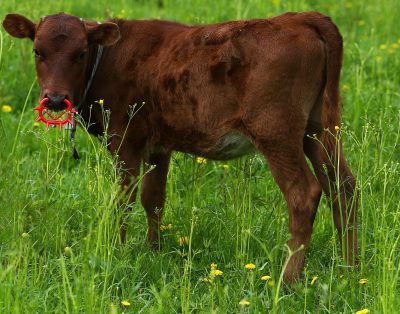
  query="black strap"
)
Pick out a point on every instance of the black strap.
point(72, 128)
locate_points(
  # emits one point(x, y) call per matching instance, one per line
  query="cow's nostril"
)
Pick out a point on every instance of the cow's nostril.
point(56, 102)
point(56, 99)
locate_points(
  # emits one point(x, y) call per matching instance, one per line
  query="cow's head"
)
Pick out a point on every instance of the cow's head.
point(61, 45)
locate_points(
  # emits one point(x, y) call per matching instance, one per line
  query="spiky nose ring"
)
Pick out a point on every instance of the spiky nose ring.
point(60, 119)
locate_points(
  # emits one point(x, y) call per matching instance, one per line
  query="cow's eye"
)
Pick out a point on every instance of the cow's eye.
point(82, 55)
point(37, 54)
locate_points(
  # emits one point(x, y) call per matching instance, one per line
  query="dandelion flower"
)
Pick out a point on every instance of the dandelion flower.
point(363, 311)
point(183, 241)
point(275, 3)
point(216, 272)
point(206, 280)
point(244, 302)
point(271, 283)
point(201, 160)
point(6, 108)
point(165, 227)
point(265, 278)
point(313, 280)
point(250, 266)
point(125, 303)
point(363, 281)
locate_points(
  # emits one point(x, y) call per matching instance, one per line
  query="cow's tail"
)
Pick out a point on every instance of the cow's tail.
point(329, 163)
point(331, 107)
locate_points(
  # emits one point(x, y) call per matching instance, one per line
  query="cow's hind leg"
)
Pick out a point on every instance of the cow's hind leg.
point(153, 194)
point(283, 149)
point(302, 193)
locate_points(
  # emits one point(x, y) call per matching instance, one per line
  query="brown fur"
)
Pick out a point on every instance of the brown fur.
point(205, 90)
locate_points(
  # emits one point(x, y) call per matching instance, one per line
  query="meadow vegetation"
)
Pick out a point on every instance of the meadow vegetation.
point(59, 246)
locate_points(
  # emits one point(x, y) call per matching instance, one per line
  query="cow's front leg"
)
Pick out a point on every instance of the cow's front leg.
point(128, 192)
point(153, 194)
point(130, 159)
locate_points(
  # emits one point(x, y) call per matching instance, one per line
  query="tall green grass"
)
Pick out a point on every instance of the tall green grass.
point(59, 246)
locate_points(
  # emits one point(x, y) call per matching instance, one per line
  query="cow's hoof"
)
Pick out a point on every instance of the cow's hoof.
point(155, 245)
point(154, 240)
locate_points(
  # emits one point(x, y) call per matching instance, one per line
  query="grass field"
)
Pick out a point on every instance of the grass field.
point(59, 249)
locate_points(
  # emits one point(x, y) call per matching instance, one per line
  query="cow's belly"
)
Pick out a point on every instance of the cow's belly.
point(231, 145)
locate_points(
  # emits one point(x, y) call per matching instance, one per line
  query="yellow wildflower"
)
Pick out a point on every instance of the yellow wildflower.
point(395, 46)
point(363, 311)
point(382, 46)
point(216, 272)
point(337, 128)
point(183, 241)
point(271, 283)
point(363, 281)
point(201, 160)
point(125, 303)
point(275, 3)
point(313, 280)
point(25, 235)
point(265, 278)
point(348, 5)
point(100, 102)
point(206, 280)
point(225, 166)
point(213, 266)
point(250, 266)
point(36, 124)
point(6, 108)
point(165, 227)
point(244, 302)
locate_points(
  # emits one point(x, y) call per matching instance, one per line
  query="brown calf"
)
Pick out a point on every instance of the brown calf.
point(215, 91)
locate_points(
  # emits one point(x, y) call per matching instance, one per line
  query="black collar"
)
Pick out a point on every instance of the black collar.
point(72, 127)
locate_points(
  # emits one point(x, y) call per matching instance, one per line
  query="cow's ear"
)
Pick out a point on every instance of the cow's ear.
point(105, 34)
point(19, 26)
